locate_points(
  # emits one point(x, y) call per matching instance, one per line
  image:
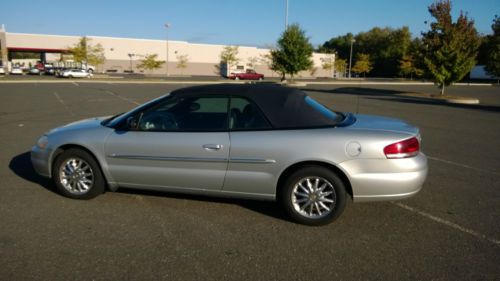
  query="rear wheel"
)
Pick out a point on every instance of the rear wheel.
point(77, 175)
point(313, 195)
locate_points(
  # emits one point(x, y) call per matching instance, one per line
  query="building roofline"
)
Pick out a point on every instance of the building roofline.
point(127, 38)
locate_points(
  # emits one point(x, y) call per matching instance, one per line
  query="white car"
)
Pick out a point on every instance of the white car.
point(16, 71)
point(2, 71)
point(77, 73)
point(35, 71)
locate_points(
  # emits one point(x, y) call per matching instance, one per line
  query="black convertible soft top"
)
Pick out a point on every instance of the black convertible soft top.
point(285, 107)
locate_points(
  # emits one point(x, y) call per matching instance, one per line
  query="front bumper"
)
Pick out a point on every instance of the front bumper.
point(385, 179)
point(40, 159)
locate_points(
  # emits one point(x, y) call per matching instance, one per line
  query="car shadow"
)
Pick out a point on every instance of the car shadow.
point(268, 208)
point(395, 96)
point(21, 166)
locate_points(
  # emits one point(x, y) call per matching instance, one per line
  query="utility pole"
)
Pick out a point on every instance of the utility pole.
point(167, 26)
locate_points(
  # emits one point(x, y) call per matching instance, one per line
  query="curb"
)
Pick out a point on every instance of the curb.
point(463, 101)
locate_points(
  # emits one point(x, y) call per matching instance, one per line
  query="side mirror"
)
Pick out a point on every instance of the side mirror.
point(132, 123)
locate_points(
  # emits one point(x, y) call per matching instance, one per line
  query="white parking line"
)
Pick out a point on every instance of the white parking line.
point(63, 103)
point(74, 83)
point(462, 165)
point(449, 223)
point(123, 98)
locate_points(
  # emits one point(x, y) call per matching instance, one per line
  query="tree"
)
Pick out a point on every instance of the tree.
point(267, 59)
point(386, 46)
point(182, 61)
point(450, 47)
point(150, 63)
point(275, 63)
point(341, 45)
point(408, 66)
point(229, 55)
point(363, 64)
point(252, 62)
point(340, 66)
point(293, 53)
point(328, 62)
point(493, 63)
point(95, 55)
point(84, 52)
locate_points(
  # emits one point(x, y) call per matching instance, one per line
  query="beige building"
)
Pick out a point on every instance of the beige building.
point(124, 54)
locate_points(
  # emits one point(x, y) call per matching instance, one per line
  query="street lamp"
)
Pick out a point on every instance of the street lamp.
point(350, 58)
point(286, 14)
point(167, 26)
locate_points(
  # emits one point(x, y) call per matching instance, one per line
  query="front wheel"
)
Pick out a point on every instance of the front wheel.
point(77, 175)
point(313, 195)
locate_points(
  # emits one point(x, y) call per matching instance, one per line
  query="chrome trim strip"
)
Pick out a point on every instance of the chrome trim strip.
point(194, 159)
point(166, 158)
point(252, 161)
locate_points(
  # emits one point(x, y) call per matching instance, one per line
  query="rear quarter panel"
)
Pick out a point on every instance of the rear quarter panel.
point(284, 148)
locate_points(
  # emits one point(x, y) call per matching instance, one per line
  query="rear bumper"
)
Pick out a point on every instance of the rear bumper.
point(386, 179)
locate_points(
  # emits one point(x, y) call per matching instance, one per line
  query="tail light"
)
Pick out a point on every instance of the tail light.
point(403, 149)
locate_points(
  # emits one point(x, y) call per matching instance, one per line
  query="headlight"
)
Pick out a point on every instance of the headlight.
point(42, 142)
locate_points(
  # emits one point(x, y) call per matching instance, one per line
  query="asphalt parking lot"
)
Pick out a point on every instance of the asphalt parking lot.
point(449, 231)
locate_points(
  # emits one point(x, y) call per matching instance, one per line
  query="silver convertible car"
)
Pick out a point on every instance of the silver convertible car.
point(250, 141)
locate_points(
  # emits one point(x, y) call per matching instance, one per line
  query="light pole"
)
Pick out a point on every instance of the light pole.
point(167, 26)
point(286, 15)
point(350, 58)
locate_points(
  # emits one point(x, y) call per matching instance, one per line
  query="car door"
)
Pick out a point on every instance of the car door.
point(180, 143)
point(252, 159)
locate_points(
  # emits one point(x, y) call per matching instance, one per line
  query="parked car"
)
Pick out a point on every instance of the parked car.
point(251, 141)
point(35, 71)
point(2, 71)
point(49, 71)
point(249, 74)
point(75, 73)
point(16, 71)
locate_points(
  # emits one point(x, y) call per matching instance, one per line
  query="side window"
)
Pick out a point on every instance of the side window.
point(202, 114)
point(244, 115)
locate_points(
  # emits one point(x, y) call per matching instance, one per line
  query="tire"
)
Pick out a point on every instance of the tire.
point(70, 76)
point(88, 181)
point(90, 70)
point(313, 195)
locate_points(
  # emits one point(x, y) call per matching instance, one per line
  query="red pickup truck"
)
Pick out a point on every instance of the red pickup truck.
point(250, 74)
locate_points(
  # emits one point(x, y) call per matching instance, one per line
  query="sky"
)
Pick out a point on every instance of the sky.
point(252, 23)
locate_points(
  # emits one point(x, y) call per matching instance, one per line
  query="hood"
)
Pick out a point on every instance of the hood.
point(79, 125)
point(374, 122)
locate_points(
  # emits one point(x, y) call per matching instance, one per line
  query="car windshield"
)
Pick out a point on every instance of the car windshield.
point(113, 121)
point(334, 116)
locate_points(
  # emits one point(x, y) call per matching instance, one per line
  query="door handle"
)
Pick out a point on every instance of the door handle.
point(212, 147)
